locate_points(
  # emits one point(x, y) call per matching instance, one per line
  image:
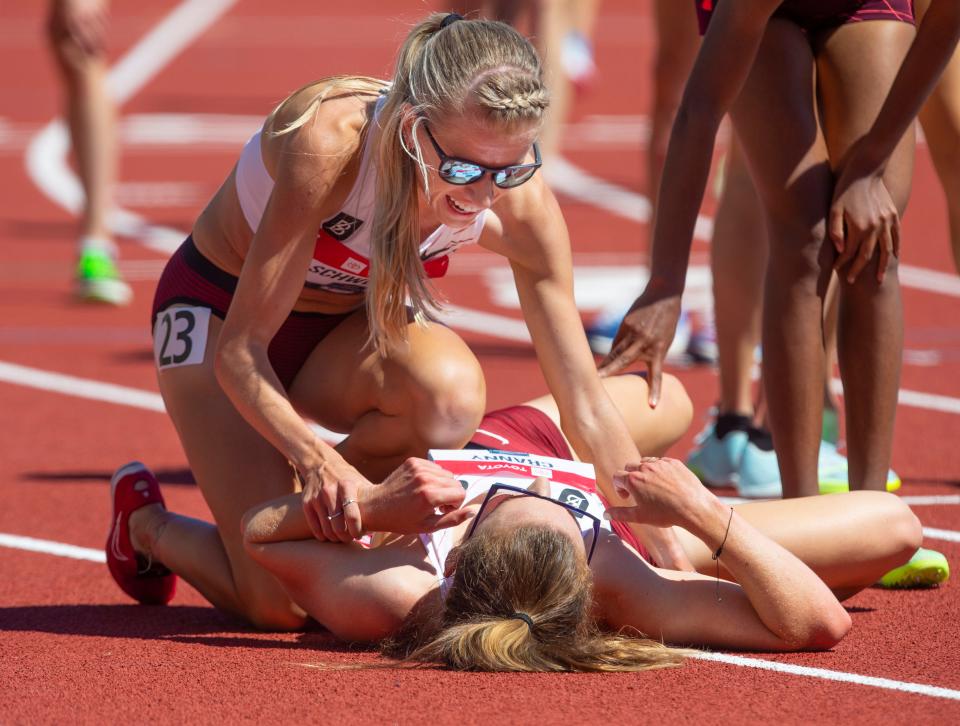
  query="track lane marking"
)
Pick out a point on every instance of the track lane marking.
point(49, 547)
point(108, 392)
point(921, 689)
point(61, 549)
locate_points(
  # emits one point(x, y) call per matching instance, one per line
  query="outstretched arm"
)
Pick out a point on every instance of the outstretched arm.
point(715, 81)
point(531, 233)
point(777, 603)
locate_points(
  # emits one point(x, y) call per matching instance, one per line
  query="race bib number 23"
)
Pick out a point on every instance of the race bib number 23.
point(180, 336)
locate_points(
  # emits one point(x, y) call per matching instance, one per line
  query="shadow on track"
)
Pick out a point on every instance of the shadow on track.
point(180, 624)
point(175, 477)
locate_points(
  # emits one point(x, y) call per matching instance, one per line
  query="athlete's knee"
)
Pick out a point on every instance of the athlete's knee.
point(680, 407)
point(448, 410)
point(799, 253)
point(448, 417)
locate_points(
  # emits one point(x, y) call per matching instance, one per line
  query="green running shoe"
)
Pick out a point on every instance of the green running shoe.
point(926, 568)
point(98, 280)
point(833, 472)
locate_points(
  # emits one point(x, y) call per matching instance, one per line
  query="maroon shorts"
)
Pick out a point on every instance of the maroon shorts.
point(531, 431)
point(190, 278)
point(817, 15)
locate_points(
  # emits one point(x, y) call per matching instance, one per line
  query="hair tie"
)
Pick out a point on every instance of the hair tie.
point(450, 20)
point(522, 616)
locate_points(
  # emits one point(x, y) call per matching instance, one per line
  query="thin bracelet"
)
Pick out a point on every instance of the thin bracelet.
point(716, 555)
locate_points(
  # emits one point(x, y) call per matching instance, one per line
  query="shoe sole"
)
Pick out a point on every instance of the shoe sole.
point(922, 576)
point(107, 291)
point(834, 487)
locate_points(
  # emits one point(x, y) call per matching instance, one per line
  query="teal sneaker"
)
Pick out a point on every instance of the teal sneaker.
point(735, 460)
point(715, 461)
point(98, 280)
point(834, 475)
point(927, 568)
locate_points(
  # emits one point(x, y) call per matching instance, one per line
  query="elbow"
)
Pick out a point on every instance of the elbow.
point(824, 632)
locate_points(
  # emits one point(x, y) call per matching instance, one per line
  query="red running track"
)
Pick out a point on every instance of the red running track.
point(72, 648)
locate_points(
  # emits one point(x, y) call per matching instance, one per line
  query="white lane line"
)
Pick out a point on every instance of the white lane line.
point(913, 501)
point(108, 392)
point(932, 500)
point(80, 387)
point(916, 399)
point(830, 675)
point(577, 184)
point(30, 544)
point(46, 157)
point(943, 534)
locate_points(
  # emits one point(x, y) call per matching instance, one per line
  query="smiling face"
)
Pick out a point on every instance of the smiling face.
point(467, 137)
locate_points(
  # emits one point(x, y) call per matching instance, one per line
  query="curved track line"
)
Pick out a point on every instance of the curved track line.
point(46, 157)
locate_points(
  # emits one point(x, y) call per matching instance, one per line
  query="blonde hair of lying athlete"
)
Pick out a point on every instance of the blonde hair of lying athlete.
point(474, 86)
point(523, 597)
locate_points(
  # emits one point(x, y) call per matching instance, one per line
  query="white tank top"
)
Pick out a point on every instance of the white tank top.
point(571, 482)
point(341, 255)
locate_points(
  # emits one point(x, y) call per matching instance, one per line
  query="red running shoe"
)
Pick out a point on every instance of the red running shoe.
point(134, 486)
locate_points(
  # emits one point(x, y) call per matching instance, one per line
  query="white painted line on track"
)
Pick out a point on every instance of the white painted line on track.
point(80, 387)
point(913, 501)
point(108, 392)
point(932, 500)
point(916, 399)
point(946, 535)
point(830, 675)
point(31, 544)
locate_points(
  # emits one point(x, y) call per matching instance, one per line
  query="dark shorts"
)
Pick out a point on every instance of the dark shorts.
point(530, 430)
point(191, 279)
point(817, 15)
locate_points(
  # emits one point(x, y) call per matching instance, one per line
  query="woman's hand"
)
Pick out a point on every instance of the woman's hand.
point(645, 334)
point(665, 492)
point(419, 496)
point(330, 501)
point(863, 220)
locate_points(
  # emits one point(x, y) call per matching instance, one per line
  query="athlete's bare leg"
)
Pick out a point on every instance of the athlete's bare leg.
point(854, 78)
point(789, 165)
point(790, 162)
point(850, 540)
point(430, 395)
point(738, 261)
point(940, 118)
point(677, 45)
point(236, 469)
point(81, 59)
point(654, 430)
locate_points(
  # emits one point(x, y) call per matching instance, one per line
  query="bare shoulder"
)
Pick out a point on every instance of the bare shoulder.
point(528, 224)
point(324, 136)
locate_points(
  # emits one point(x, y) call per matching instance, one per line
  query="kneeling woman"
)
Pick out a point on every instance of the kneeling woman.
point(516, 583)
point(304, 287)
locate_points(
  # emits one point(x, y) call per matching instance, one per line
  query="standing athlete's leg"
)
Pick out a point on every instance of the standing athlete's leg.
point(776, 121)
point(940, 118)
point(738, 260)
point(856, 65)
point(429, 393)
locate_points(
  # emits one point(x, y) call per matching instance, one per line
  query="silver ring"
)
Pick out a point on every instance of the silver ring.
point(335, 515)
point(347, 503)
